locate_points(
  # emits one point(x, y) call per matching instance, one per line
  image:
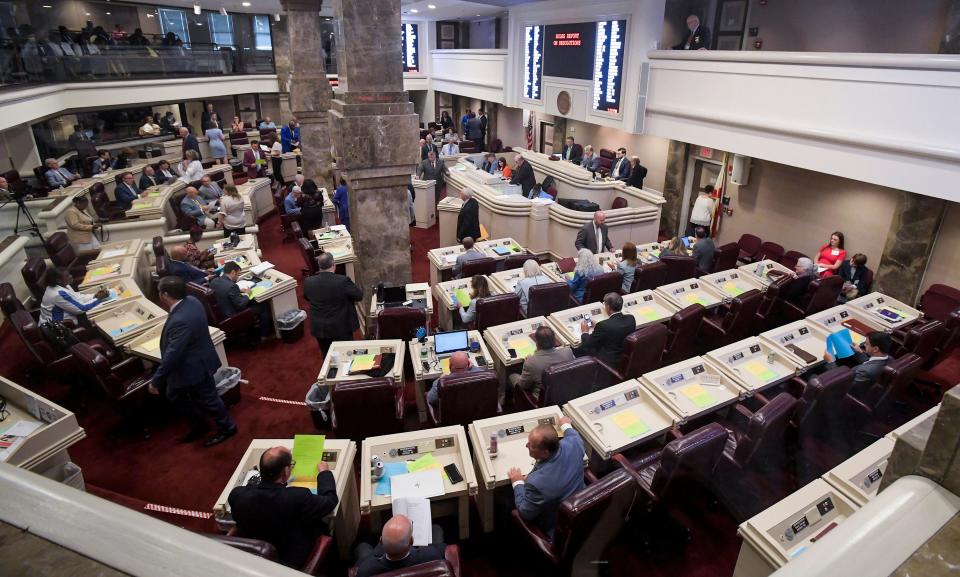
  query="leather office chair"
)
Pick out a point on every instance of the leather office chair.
point(496, 310)
point(725, 258)
point(587, 522)
point(60, 364)
point(239, 138)
point(565, 381)
point(61, 253)
point(679, 268)
point(643, 351)
point(124, 383)
point(157, 246)
point(311, 267)
point(942, 376)
point(939, 301)
point(484, 266)
point(366, 408)
point(922, 340)
point(619, 202)
point(545, 299)
point(770, 251)
point(606, 160)
point(879, 406)
point(682, 331)
point(40, 186)
point(15, 183)
point(749, 246)
point(821, 294)
point(239, 324)
point(737, 324)
point(599, 286)
point(34, 274)
point(448, 567)
point(184, 221)
point(649, 276)
point(296, 227)
point(766, 314)
point(819, 422)
point(516, 260)
point(313, 566)
point(400, 322)
point(104, 209)
point(9, 302)
point(790, 258)
point(464, 398)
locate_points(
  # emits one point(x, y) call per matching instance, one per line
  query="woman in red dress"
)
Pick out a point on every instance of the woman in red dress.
point(831, 255)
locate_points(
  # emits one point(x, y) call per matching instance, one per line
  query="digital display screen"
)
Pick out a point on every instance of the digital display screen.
point(734, 275)
point(411, 47)
point(875, 476)
point(844, 314)
point(533, 62)
point(608, 65)
point(568, 50)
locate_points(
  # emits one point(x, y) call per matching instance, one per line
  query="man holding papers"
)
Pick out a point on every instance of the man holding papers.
point(289, 518)
point(396, 550)
point(869, 369)
point(233, 299)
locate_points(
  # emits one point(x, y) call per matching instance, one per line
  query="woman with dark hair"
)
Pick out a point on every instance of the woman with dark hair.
point(478, 289)
point(202, 259)
point(311, 212)
point(503, 168)
point(831, 255)
point(627, 266)
point(445, 120)
point(342, 202)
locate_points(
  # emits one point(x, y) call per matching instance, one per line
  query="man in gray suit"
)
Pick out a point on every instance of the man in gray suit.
point(590, 160)
point(877, 349)
point(557, 474)
point(593, 236)
point(435, 170)
point(469, 253)
point(547, 354)
point(209, 189)
point(703, 250)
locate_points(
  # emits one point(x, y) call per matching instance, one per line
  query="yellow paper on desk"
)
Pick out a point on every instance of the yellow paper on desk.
point(141, 204)
point(425, 463)
point(732, 289)
point(151, 344)
point(103, 270)
point(524, 347)
point(307, 452)
point(629, 423)
point(763, 373)
point(362, 363)
point(463, 297)
point(694, 298)
point(445, 365)
point(648, 313)
point(698, 395)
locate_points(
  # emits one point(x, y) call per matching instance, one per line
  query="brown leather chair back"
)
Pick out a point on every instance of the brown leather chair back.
point(692, 457)
point(770, 251)
point(311, 267)
point(158, 246)
point(545, 299)
point(820, 405)
point(496, 310)
point(763, 442)
point(643, 350)
point(60, 250)
point(34, 273)
point(749, 245)
point(482, 266)
point(742, 318)
point(516, 260)
point(619, 202)
point(208, 299)
point(431, 569)
point(939, 301)
point(649, 276)
point(790, 258)
point(823, 294)
point(466, 397)
point(239, 138)
point(893, 384)
point(366, 408)
point(184, 222)
point(29, 332)
point(9, 302)
point(725, 257)
point(400, 322)
point(769, 301)
point(252, 546)
point(568, 380)
point(602, 284)
point(101, 205)
point(923, 340)
point(679, 268)
point(683, 328)
point(97, 366)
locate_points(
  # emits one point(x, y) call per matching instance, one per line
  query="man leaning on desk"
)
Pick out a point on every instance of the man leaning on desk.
point(606, 341)
point(333, 315)
point(231, 299)
point(289, 518)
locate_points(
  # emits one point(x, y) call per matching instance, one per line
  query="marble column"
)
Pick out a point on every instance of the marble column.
point(375, 133)
point(281, 62)
point(910, 241)
point(310, 91)
point(673, 185)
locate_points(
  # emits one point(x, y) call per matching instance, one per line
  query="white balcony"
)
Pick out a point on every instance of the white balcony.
point(472, 73)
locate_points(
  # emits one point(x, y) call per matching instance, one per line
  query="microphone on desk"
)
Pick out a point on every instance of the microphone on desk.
point(379, 290)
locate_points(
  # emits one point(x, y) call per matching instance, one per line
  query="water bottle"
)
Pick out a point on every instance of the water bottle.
point(493, 445)
point(376, 466)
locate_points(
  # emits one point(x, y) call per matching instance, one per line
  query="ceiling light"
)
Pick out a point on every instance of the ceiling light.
point(245, 4)
point(107, 13)
point(196, 9)
point(47, 6)
point(414, 10)
point(431, 6)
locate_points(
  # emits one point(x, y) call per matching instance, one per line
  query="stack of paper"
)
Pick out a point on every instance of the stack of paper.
point(307, 453)
point(261, 268)
point(417, 509)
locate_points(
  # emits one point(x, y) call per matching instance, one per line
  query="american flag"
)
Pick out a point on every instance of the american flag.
point(530, 122)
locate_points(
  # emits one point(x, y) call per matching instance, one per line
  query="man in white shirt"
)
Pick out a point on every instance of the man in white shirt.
point(593, 235)
point(702, 212)
point(450, 149)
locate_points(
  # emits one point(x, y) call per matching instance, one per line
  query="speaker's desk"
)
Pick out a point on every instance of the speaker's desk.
point(691, 291)
point(122, 290)
point(338, 454)
point(418, 292)
point(147, 344)
point(277, 288)
point(122, 323)
point(567, 322)
point(887, 311)
point(617, 418)
point(511, 431)
point(341, 355)
point(754, 364)
point(446, 445)
point(858, 478)
point(427, 366)
point(692, 388)
point(444, 293)
point(799, 337)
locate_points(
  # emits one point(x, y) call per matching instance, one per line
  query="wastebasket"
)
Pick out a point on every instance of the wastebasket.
point(318, 400)
point(68, 473)
point(290, 325)
point(228, 384)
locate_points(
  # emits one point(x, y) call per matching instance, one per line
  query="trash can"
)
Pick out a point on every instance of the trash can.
point(318, 400)
point(228, 384)
point(68, 473)
point(290, 325)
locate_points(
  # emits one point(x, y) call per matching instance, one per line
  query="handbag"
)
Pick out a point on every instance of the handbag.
point(60, 337)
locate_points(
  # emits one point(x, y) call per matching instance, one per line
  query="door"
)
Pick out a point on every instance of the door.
point(701, 172)
point(546, 137)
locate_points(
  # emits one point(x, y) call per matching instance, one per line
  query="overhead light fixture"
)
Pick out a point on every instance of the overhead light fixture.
point(223, 11)
point(414, 11)
point(47, 6)
point(107, 13)
point(245, 4)
point(432, 6)
point(276, 17)
point(196, 9)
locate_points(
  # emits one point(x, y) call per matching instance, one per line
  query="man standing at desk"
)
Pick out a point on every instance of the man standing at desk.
point(470, 252)
point(290, 136)
point(606, 341)
point(523, 175)
point(593, 235)
point(557, 474)
point(190, 142)
point(289, 518)
point(333, 315)
point(231, 299)
point(468, 221)
point(435, 170)
point(188, 361)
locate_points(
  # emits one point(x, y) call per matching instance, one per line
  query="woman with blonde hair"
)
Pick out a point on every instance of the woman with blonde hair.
point(587, 268)
point(190, 168)
point(231, 211)
point(674, 248)
point(532, 275)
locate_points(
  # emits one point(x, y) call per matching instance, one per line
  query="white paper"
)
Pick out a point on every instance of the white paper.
point(450, 259)
point(424, 484)
point(112, 253)
point(245, 284)
point(261, 268)
point(20, 431)
point(338, 227)
point(417, 509)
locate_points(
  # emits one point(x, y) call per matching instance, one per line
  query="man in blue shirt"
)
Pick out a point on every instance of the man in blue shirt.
point(178, 266)
point(291, 203)
point(191, 206)
point(56, 175)
point(267, 123)
point(127, 191)
point(290, 136)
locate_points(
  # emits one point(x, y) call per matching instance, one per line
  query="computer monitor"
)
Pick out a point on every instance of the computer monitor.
point(451, 342)
point(394, 294)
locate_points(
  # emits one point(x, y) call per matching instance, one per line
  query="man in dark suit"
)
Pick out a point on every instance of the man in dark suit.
point(231, 299)
point(127, 191)
point(333, 316)
point(475, 132)
point(289, 518)
point(523, 175)
point(621, 167)
point(484, 122)
point(489, 164)
point(606, 340)
point(396, 551)
point(205, 118)
point(572, 152)
point(190, 142)
point(703, 250)
point(150, 178)
point(435, 170)
point(867, 365)
point(468, 221)
point(593, 235)
point(426, 147)
point(178, 266)
point(187, 364)
point(699, 37)
point(557, 474)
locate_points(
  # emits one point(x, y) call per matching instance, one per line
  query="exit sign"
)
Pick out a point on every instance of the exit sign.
point(706, 152)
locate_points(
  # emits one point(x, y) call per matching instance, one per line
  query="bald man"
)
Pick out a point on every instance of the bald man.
point(396, 550)
point(459, 364)
point(557, 474)
point(593, 235)
point(177, 265)
point(289, 518)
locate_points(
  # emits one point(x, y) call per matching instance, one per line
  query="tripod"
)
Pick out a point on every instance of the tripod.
point(22, 210)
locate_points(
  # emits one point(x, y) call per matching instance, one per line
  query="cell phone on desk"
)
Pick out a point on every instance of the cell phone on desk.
point(481, 362)
point(453, 473)
point(513, 353)
point(332, 372)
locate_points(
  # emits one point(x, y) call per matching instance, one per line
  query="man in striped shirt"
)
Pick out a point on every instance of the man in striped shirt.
point(60, 302)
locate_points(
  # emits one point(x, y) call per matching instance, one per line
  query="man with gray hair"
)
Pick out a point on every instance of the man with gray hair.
point(396, 550)
point(210, 191)
point(332, 298)
point(468, 221)
point(57, 175)
point(606, 341)
point(590, 160)
point(190, 142)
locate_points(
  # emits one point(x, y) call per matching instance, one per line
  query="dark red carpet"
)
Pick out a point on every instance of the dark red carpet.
point(134, 472)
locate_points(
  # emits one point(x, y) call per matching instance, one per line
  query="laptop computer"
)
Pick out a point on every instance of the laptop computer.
point(394, 295)
point(451, 342)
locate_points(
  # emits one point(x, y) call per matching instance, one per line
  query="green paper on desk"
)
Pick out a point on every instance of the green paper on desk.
point(307, 452)
point(260, 288)
point(629, 423)
point(698, 395)
point(763, 373)
point(425, 463)
point(693, 298)
point(648, 313)
point(330, 235)
point(732, 289)
point(362, 363)
point(524, 347)
point(463, 297)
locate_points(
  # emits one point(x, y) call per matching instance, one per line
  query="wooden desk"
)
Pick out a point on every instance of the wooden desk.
point(108, 271)
point(122, 290)
point(147, 345)
point(122, 323)
point(515, 335)
point(689, 390)
point(755, 365)
point(691, 291)
point(567, 322)
point(277, 288)
point(441, 262)
point(46, 446)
